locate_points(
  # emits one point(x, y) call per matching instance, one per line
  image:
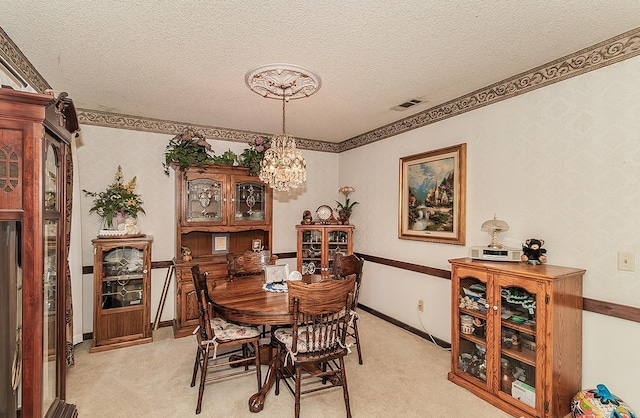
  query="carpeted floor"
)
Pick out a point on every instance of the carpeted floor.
point(403, 375)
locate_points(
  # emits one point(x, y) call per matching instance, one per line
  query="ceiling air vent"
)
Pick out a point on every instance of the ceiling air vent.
point(406, 105)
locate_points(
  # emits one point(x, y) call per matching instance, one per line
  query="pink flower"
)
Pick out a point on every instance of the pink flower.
point(205, 144)
point(259, 140)
point(259, 148)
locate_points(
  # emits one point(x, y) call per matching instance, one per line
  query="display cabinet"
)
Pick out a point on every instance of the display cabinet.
point(122, 292)
point(35, 163)
point(219, 209)
point(517, 334)
point(317, 245)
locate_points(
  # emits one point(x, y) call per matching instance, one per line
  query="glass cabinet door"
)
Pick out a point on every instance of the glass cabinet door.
point(122, 278)
point(517, 342)
point(249, 202)
point(312, 243)
point(338, 242)
point(472, 323)
point(205, 200)
point(52, 265)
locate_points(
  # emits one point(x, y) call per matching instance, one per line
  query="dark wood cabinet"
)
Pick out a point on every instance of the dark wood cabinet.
point(122, 292)
point(517, 335)
point(219, 209)
point(35, 162)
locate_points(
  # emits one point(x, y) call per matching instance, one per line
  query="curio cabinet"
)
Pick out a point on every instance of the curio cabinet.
point(517, 334)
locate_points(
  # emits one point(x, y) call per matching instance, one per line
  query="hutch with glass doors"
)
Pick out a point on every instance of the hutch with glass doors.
point(122, 292)
point(517, 334)
point(35, 200)
point(219, 210)
point(317, 245)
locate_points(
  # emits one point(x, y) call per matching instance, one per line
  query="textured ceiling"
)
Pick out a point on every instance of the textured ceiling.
point(186, 60)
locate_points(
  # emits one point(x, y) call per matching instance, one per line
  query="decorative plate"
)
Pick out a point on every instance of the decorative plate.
point(324, 212)
point(295, 275)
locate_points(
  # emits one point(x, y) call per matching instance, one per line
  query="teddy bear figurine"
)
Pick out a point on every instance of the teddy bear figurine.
point(532, 251)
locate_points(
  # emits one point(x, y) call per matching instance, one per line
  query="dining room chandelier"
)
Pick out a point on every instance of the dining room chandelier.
point(283, 167)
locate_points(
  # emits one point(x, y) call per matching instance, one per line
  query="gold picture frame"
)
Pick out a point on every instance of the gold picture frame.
point(433, 196)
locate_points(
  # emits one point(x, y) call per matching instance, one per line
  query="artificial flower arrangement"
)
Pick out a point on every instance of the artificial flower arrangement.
point(187, 149)
point(347, 206)
point(119, 199)
point(192, 149)
point(252, 157)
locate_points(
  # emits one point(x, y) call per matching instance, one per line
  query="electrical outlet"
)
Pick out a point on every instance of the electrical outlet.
point(626, 261)
point(421, 305)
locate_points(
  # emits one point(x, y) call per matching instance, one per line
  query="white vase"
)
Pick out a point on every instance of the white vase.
point(116, 221)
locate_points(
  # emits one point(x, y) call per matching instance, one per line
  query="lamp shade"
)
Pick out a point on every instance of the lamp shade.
point(494, 227)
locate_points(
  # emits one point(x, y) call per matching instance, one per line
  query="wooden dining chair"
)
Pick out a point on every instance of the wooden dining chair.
point(345, 265)
point(224, 348)
point(248, 263)
point(315, 344)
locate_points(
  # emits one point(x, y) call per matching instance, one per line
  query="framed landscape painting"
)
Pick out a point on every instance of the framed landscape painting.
point(432, 196)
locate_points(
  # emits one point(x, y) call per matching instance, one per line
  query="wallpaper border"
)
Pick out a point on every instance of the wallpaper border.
point(14, 57)
point(610, 51)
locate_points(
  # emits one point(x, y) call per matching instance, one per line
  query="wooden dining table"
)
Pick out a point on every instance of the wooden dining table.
point(244, 300)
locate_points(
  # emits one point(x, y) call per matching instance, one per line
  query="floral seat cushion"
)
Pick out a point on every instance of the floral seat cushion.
point(285, 336)
point(228, 331)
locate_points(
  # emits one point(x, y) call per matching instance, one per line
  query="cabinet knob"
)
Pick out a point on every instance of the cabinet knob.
point(495, 307)
point(145, 271)
point(486, 305)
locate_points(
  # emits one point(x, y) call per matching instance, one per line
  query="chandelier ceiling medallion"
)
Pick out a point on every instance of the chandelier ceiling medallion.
point(283, 167)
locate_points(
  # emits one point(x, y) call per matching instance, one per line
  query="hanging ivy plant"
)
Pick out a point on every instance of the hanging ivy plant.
point(252, 156)
point(187, 149)
point(228, 158)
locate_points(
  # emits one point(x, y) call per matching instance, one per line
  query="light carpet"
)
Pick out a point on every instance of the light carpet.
point(403, 375)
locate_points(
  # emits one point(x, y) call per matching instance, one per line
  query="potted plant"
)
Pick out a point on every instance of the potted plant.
point(345, 209)
point(117, 202)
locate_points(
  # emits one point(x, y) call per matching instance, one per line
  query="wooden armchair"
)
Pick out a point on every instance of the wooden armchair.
point(345, 265)
point(215, 334)
point(316, 341)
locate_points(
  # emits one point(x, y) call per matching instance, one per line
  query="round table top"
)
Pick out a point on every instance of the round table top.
point(244, 300)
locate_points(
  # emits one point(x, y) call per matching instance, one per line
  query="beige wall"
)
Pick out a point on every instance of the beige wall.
point(559, 163)
point(141, 154)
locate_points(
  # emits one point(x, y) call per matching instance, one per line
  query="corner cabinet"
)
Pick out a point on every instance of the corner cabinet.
point(122, 292)
point(317, 245)
point(517, 335)
point(219, 209)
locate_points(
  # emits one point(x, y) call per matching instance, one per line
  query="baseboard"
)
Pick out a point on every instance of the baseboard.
point(420, 333)
point(89, 335)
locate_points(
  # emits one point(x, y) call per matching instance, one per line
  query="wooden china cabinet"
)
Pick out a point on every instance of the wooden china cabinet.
point(219, 209)
point(318, 243)
point(122, 292)
point(517, 335)
point(35, 166)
